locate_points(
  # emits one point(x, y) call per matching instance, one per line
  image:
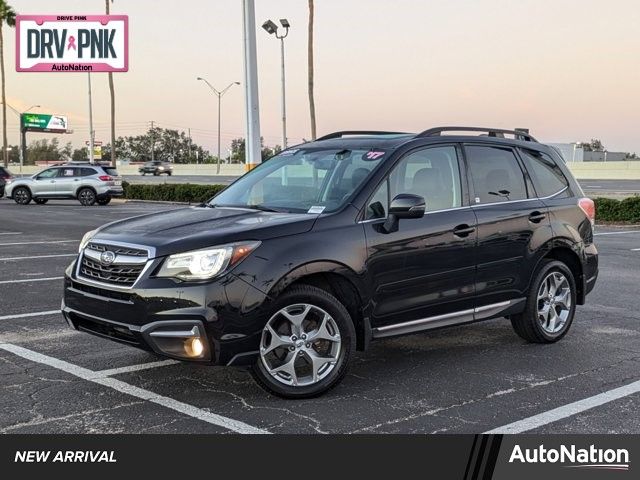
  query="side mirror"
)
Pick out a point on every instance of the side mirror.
point(404, 205)
point(407, 205)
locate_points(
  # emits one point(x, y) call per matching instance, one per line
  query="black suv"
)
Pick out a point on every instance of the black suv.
point(337, 242)
point(156, 168)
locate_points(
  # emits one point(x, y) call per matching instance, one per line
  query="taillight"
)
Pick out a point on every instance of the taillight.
point(589, 208)
point(106, 178)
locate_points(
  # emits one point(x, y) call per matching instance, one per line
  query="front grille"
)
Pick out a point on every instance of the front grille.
point(124, 271)
point(132, 252)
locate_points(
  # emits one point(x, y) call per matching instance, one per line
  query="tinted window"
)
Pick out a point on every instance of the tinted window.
point(110, 171)
point(547, 177)
point(86, 172)
point(432, 173)
point(496, 175)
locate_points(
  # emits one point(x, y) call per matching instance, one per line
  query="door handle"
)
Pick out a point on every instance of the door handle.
point(536, 217)
point(76, 179)
point(52, 181)
point(463, 230)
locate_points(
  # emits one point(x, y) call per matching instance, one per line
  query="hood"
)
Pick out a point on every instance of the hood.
point(191, 228)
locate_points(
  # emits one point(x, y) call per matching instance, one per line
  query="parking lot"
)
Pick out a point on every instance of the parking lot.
point(471, 379)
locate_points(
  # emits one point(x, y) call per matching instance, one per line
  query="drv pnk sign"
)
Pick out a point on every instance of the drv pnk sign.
point(72, 43)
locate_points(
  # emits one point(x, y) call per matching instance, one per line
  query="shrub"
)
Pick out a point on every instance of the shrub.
point(171, 192)
point(623, 211)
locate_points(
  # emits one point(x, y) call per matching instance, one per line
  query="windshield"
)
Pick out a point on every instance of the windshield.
point(302, 181)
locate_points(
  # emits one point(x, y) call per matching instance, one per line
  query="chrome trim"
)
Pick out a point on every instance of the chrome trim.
point(447, 316)
point(194, 332)
point(150, 250)
point(120, 259)
point(428, 212)
point(108, 286)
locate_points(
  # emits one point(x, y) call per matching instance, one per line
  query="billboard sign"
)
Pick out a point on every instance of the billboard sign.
point(72, 43)
point(38, 122)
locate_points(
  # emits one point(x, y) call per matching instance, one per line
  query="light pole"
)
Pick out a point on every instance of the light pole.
point(22, 142)
point(272, 29)
point(218, 94)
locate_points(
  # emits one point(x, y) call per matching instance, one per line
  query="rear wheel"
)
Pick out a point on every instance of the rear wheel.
point(41, 201)
point(551, 305)
point(103, 200)
point(306, 344)
point(86, 197)
point(22, 196)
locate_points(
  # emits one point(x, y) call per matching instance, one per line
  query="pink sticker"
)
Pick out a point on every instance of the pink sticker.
point(374, 155)
point(72, 43)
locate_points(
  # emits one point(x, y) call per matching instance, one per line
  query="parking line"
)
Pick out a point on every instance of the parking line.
point(29, 280)
point(568, 410)
point(27, 315)
point(136, 368)
point(123, 387)
point(635, 249)
point(40, 256)
point(10, 233)
point(616, 233)
point(38, 243)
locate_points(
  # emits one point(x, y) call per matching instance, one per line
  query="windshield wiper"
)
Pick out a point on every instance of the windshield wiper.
point(262, 208)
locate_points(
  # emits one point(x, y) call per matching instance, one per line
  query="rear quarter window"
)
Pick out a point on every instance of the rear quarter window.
point(111, 171)
point(546, 175)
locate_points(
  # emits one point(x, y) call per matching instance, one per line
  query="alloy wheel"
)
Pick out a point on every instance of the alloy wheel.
point(554, 302)
point(21, 196)
point(87, 197)
point(300, 345)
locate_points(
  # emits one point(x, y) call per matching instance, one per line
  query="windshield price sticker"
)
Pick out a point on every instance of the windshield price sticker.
point(72, 43)
point(316, 210)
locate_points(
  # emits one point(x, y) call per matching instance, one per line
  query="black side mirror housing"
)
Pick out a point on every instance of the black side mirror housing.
point(404, 205)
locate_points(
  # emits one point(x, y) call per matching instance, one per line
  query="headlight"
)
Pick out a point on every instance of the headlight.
point(8, 181)
point(87, 237)
point(206, 263)
point(160, 168)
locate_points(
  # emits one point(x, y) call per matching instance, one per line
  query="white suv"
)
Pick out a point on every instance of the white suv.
point(87, 183)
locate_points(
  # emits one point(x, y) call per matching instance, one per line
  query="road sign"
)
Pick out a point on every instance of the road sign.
point(38, 122)
point(97, 152)
point(72, 43)
point(95, 142)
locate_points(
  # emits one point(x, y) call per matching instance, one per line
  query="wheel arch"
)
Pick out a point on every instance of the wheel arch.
point(81, 187)
point(566, 252)
point(338, 280)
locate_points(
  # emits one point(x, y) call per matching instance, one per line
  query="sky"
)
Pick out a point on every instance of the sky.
point(569, 70)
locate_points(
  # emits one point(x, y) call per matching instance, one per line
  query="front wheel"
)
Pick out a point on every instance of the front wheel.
point(306, 344)
point(22, 196)
point(87, 197)
point(551, 305)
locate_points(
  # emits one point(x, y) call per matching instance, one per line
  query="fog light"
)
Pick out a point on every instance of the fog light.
point(194, 347)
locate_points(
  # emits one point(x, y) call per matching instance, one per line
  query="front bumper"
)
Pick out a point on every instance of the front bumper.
point(164, 316)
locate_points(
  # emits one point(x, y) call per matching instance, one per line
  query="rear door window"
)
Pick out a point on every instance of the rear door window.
point(546, 175)
point(496, 174)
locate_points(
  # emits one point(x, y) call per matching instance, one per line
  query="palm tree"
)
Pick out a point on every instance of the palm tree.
point(312, 103)
point(8, 15)
point(113, 106)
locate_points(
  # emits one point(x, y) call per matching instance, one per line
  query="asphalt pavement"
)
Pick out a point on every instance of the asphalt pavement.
point(475, 379)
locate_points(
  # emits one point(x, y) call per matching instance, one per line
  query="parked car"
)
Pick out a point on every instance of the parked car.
point(5, 176)
point(156, 168)
point(338, 242)
point(88, 183)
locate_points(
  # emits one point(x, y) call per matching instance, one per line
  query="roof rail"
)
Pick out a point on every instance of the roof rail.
point(491, 132)
point(356, 133)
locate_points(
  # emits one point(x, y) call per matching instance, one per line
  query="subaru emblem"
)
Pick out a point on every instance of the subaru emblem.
point(107, 257)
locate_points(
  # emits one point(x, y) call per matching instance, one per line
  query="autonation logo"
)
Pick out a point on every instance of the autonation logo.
point(574, 457)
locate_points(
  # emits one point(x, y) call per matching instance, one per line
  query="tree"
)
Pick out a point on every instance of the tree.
point(45, 150)
point(312, 103)
point(238, 150)
point(113, 104)
point(8, 16)
point(594, 145)
point(80, 154)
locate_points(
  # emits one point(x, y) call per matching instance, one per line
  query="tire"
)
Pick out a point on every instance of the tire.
point(142, 173)
point(338, 327)
point(86, 197)
point(22, 196)
point(41, 201)
point(169, 174)
point(103, 201)
point(155, 174)
point(532, 324)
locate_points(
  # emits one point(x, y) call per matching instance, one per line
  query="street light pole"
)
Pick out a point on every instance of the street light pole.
point(272, 28)
point(218, 94)
point(91, 133)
